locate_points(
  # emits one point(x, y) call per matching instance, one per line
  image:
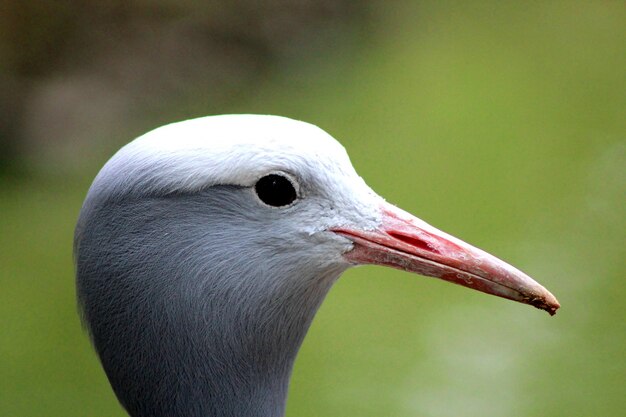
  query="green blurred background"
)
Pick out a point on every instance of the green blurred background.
point(503, 123)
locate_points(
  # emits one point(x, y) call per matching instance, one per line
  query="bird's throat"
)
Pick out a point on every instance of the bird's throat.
point(226, 361)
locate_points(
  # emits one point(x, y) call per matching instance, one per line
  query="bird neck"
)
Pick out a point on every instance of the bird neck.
point(186, 323)
point(235, 359)
point(248, 351)
point(216, 350)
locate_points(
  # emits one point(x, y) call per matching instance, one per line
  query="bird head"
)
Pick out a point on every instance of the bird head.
point(299, 202)
point(207, 245)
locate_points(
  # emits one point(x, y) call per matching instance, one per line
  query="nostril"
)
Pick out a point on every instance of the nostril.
point(413, 241)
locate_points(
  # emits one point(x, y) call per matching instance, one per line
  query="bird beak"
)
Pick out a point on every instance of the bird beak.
point(405, 242)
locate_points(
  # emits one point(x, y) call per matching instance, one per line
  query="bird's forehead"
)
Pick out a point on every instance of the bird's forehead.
point(233, 149)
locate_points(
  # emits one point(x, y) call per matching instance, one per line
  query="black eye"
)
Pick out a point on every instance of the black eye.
point(275, 190)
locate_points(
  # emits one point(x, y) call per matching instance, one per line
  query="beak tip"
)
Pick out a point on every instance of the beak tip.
point(546, 301)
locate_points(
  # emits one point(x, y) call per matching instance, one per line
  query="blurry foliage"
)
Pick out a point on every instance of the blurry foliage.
point(501, 122)
point(79, 75)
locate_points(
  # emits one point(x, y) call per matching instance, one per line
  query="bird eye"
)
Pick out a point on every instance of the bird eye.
point(276, 190)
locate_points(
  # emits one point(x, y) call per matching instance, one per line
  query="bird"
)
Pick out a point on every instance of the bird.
point(204, 248)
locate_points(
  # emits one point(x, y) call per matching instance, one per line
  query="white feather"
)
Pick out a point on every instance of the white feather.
point(238, 150)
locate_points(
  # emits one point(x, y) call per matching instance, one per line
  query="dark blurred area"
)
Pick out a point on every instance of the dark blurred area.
point(78, 75)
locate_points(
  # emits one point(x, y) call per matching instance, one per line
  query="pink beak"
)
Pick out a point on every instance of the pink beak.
point(405, 242)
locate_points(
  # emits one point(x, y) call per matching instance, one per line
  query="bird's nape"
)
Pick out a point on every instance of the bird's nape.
point(204, 249)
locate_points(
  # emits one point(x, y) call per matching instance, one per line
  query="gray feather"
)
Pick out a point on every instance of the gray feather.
point(197, 303)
